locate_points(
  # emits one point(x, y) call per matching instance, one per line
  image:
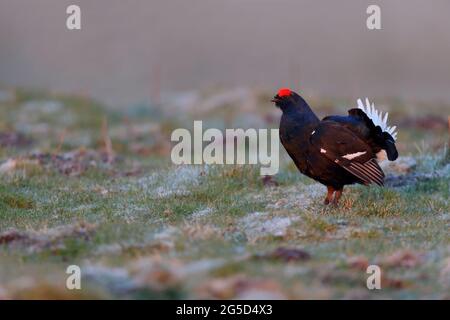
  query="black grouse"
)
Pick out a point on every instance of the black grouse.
point(337, 150)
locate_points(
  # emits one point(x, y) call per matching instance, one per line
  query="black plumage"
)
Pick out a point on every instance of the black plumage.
point(335, 151)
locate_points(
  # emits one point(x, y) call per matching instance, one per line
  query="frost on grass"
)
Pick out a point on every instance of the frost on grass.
point(202, 213)
point(148, 268)
point(409, 171)
point(166, 237)
point(150, 272)
point(201, 231)
point(161, 241)
point(84, 208)
point(402, 165)
point(130, 211)
point(298, 197)
point(177, 181)
point(260, 224)
point(164, 240)
point(32, 111)
point(293, 197)
point(116, 280)
point(154, 242)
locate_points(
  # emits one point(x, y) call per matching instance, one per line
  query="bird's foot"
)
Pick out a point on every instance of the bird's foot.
point(335, 203)
point(329, 197)
point(336, 198)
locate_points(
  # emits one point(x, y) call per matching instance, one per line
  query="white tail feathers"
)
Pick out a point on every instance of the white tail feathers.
point(377, 117)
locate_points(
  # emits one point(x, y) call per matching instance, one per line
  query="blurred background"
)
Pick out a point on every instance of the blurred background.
point(142, 51)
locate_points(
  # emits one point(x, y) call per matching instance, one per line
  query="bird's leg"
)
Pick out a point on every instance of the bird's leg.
point(329, 197)
point(337, 196)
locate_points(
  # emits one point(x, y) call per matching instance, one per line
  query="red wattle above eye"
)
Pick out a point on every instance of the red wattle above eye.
point(284, 92)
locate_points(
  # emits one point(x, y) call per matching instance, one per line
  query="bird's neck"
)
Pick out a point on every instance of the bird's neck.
point(298, 122)
point(301, 113)
point(298, 106)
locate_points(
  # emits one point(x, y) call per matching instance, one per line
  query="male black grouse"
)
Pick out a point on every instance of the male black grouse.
point(337, 150)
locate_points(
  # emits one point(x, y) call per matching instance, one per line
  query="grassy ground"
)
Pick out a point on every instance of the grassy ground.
point(140, 227)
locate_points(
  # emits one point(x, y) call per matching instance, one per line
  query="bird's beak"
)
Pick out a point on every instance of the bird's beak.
point(276, 99)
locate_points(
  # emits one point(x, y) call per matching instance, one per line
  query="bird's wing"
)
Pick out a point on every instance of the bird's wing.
point(360, 124)
point(340, 145)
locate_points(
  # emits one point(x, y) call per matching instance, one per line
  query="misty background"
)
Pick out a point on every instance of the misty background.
point(135, 51)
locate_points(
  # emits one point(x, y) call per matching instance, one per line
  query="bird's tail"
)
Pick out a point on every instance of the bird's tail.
point(377, 123)
point(377, 117)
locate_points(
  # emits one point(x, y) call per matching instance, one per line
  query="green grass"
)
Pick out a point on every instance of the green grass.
point(195, 231)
